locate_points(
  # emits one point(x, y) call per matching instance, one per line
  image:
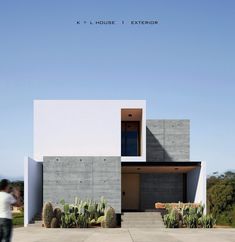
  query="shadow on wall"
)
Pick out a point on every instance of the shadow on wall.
point(154, 149)
point(192, 184)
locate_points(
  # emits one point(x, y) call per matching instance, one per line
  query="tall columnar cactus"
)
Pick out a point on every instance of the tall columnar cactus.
point(110, 218)
point(57, 214)
point(47, 214)
point(54, 223)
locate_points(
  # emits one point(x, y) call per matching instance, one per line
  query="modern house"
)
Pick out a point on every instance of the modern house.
point(94, 148)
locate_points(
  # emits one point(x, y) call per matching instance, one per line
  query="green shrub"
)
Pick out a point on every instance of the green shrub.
point(221, 197)
point(47, 214)
point(18, 219)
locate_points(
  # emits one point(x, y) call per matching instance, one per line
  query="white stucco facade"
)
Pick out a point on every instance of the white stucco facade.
point(32, 189)
point(83, 128)
point(93, 128)
point(196, 185)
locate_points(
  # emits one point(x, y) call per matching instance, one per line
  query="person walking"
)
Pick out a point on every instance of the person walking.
point(6, 201)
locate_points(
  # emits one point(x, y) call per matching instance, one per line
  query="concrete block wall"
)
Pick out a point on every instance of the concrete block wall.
point(168, 140)
point(160, 188)
point(85, 177)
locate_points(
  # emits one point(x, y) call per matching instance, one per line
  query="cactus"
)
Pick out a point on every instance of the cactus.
point(57, 214)
point(47, 214)
point(82, 213)
point(207, 221)
point(191, 221)
point(100, 219)
point(170, 219)
point(92, 209)
point(83, 221)
point(101, 206)
point(93, 222)
point(102, 224)
point(54, 223)
point(187, 215)
point(110, 218)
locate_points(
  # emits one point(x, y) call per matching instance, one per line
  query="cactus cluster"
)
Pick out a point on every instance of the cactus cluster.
point(51, 218)
point(189, 216)
point(81, 214)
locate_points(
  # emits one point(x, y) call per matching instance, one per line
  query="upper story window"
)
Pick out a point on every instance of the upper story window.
point(131, 132)
point(130, 138)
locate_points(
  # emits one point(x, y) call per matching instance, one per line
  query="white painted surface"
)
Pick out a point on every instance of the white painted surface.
point(82, 128)
point(196, 185)
point(32, 189)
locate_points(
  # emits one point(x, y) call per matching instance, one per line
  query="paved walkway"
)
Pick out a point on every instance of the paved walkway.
point(39, 234)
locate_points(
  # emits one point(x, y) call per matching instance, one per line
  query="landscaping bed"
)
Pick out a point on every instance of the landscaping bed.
point(81, 214)
point(186, 215)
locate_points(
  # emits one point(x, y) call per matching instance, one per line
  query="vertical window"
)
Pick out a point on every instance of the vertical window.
point(130, 138)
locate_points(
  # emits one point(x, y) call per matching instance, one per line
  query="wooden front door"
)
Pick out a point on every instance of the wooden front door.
point(130, 191)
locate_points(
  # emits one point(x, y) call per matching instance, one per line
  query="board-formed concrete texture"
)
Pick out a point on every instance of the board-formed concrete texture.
point(168, 140)
point(82, 177)
point(158, 187)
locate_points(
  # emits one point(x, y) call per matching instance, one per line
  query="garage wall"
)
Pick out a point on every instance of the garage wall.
point(83, 177)
point(160, 188)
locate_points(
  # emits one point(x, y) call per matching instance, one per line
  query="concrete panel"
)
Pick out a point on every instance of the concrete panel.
point(176, 153)
point(155, 126)
point(176, 140)
point(160, 188)
point(84, 177)
point(176, 126)
point(155, 154)
point(168, 140)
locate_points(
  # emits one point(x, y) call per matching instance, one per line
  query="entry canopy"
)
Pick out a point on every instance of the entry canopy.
point(159, 167)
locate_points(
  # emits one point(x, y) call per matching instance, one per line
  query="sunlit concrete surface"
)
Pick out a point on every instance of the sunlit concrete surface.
point(36, 234)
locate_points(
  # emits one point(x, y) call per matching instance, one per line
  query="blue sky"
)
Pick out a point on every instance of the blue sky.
point(184, 67)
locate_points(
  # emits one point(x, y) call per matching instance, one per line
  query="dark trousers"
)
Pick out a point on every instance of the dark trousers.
point(5, 229)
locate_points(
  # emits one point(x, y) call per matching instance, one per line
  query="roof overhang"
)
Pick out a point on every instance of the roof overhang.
point(159, 167)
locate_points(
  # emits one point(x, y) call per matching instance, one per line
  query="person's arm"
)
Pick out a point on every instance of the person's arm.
point(16, 200)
